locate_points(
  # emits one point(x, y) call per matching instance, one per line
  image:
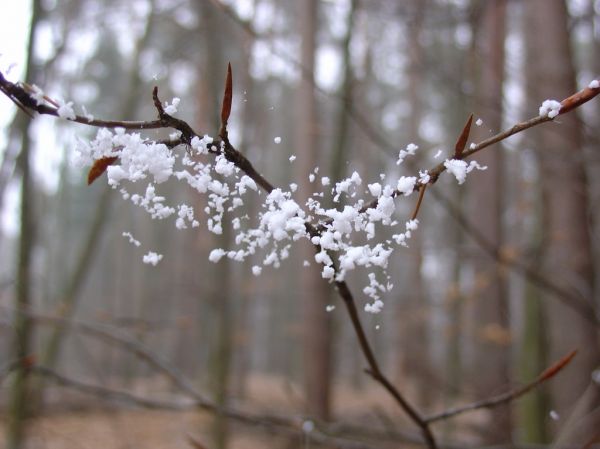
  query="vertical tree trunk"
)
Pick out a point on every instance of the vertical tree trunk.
point(18, 405)
point(413, 306)
point(312, 289)
point(491, 354)
point(221, 292)
point(568, 261)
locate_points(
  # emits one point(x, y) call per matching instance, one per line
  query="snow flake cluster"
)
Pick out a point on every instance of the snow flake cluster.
point(342, 227)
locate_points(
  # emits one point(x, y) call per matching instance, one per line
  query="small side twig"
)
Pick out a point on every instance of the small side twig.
point(509, 396)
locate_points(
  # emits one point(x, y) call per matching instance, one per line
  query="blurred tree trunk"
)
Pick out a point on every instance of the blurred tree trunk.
point(412, 311)
point(19, 398)
point(313, 292)
point(215, 29)
point(490, 319)
point(533, 357)
point(568, 261)
point(69, 291)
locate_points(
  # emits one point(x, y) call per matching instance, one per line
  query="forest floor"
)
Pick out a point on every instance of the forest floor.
point(97, 424)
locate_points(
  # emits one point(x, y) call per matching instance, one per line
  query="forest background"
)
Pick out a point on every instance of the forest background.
point(499, 281)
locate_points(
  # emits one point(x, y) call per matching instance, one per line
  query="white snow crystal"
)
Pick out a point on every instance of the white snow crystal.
point(410, 149)
point(65, 110)
point(152, 258)
point(550, 108)
point(132, 240)
point(437, 154)
point(460, 168)
point(479, 122)
point(216, 255)
point(594, 84)
point(325, 181)
point(406, 185)
point(256, 270)
point(328, 273)
point(292, 158)
point(277, 140)
point(329, 308)
point(375, 189)
point(37, 94)
point(172, 108)
point(375, 307)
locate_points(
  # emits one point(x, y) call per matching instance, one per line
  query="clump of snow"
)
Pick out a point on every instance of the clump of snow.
point(277, 140)
point(152, 258)
point(437, 154)
point(479, 122)
point(329, 308)
point(406, 185)
point(292, 158)
point(172, 107)
point(216, 255)
point(594, 84)
point(550, 108)
point(460, 168)
point(410, 150)
point(132, 240)
point(375, 189)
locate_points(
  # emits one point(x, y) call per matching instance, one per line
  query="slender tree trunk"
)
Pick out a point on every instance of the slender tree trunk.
point(312, 290)
point(412, 309)
point(568, 261)
point(490, 318)
point(19, 399)
point(222, 294)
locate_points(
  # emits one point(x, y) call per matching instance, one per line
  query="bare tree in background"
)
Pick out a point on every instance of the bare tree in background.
point(568, 257)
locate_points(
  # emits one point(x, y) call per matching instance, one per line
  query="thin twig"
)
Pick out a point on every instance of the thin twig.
point(509, 396)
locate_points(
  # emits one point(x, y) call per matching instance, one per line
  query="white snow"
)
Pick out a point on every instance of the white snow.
point(460, 168)
point(550, 108)
point(65, 110)
point(132, 240)
point(406, 185)
point(152, 258)
point(172, 107)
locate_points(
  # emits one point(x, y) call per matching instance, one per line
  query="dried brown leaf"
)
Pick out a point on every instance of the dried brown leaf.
point(99, 167)
point(462, 139)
